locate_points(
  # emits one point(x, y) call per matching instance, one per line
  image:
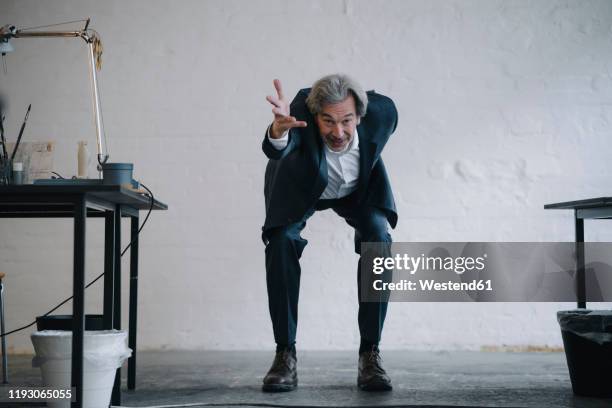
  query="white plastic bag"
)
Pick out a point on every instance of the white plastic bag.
point(103, 352)
point(595, 325)
point(101, 348)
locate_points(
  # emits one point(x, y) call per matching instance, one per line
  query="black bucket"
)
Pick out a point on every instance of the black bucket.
point(587, 339)
point(64, 322)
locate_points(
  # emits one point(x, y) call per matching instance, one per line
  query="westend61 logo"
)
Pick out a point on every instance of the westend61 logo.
point(413, 264)
point(485, 271)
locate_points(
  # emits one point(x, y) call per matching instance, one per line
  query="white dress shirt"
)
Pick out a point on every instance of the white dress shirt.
point(342, 167)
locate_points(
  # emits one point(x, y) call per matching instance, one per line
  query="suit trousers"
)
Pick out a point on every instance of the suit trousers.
point(283, 252)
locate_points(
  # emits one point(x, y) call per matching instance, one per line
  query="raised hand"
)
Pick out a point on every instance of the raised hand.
point(283, 121)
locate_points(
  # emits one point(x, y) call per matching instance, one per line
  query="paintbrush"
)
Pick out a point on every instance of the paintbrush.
point(21, 132)
point(2, 139)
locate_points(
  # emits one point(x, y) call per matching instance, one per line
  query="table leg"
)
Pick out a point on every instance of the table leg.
point(78, 303)
point(109, 268)
point(580, 266)
point(116, 395)
point(3, 341)
point(133, 302)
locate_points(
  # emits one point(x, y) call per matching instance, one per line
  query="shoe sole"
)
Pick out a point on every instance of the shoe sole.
point(375, 387)
point(278, 387)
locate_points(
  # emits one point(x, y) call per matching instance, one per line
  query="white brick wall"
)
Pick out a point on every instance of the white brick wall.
point(504, 106)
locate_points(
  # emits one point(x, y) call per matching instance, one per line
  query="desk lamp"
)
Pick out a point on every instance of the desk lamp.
point(94, 45)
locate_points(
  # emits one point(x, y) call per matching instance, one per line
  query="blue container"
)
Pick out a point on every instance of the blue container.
point(117, 173)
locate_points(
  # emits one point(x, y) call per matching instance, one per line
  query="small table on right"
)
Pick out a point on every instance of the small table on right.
point(588, 209)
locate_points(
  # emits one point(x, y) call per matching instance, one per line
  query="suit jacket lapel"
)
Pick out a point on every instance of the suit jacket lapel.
point(320, 181)
point(322, 164)
point(367, 156)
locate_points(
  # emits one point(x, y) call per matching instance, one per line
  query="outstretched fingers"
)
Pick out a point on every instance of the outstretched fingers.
point(288, 122)
point(274, 101)
point(279, 89)
point(282, 119)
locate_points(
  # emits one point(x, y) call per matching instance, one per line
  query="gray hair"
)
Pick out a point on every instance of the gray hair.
point(335, 88)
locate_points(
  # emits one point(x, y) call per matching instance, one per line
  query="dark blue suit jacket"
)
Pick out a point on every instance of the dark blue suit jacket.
point(297, 175)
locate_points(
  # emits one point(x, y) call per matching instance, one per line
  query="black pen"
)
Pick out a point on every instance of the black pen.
point(21, 132)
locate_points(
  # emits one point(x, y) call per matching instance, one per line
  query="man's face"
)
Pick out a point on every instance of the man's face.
point(337, 123)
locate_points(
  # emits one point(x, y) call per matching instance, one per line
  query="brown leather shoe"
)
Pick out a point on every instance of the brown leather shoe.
point(282, 376)
point(371, 376)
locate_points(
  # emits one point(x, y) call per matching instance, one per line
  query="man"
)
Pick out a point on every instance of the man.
point(324, 152)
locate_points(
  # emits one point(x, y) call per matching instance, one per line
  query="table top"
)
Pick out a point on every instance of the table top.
point(600, 202)
point(108, 192)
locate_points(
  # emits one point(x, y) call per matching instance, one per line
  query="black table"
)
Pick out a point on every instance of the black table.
point(111, 202)
point(591, 208)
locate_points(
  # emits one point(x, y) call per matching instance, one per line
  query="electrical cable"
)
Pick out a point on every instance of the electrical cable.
point(53, 25)
point(276, 405)
point(152, 197)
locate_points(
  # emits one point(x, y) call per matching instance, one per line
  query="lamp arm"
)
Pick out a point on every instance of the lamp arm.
point(8, 32)
point(47, 34)
point(102, 152)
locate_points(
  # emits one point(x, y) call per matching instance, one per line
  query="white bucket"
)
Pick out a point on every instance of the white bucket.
point(103, 352)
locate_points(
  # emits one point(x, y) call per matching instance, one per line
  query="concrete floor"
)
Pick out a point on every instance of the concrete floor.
point(327, 379)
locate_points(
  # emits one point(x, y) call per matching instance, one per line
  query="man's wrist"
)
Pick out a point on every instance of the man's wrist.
point(270, 133)
point(278, 143)
point(273, 134)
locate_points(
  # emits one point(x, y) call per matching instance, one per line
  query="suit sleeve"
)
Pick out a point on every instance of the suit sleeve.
point(281, 142)
point(274, 153)
point(388, 114)
point(394, 116)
